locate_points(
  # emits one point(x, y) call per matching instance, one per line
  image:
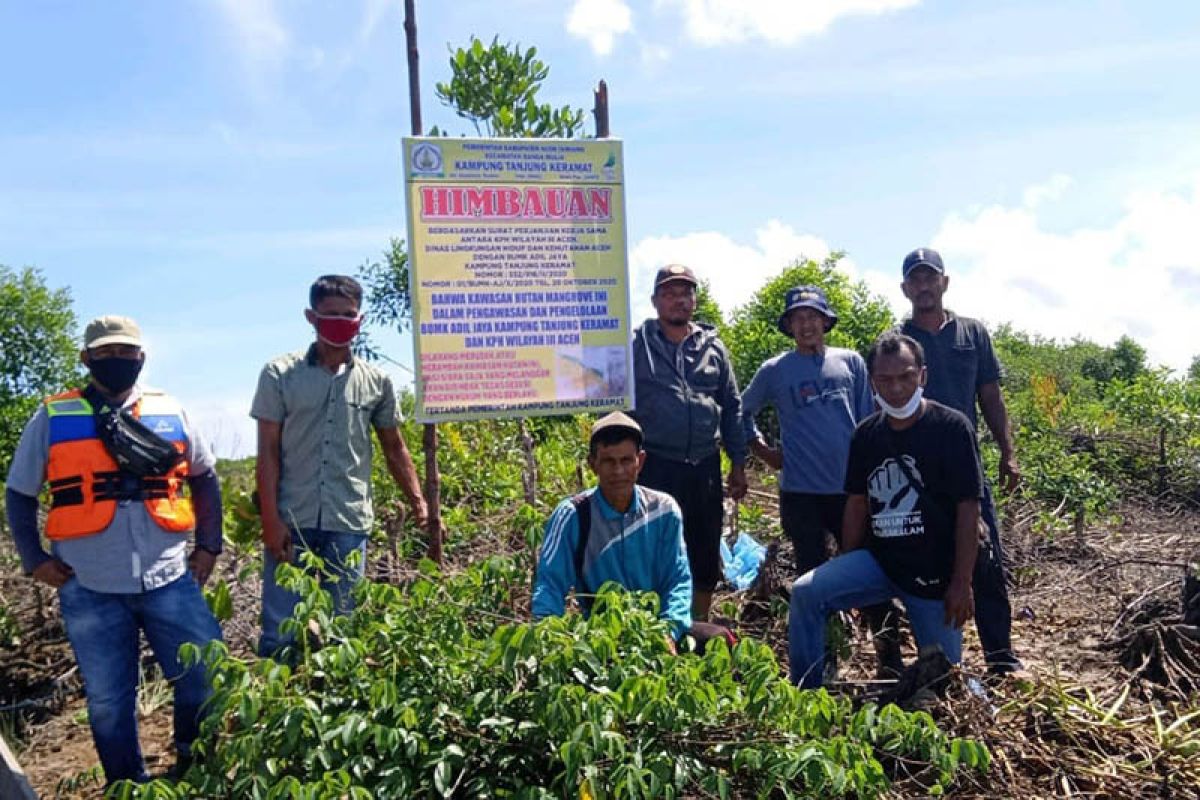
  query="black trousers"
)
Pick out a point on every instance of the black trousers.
point(806, 518)
point(993, 611)
point(697, 489)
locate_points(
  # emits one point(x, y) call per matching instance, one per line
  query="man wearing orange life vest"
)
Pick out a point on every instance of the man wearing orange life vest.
point(119, 537)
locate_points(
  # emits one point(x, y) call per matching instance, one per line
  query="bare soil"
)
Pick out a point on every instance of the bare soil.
point(1080, 724)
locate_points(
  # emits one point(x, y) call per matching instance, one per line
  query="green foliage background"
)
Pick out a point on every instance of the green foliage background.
point(39, 354)
point(438, 689)
point(753, 335)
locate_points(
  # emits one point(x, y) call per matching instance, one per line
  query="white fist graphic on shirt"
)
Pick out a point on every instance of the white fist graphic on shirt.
point(890, 491)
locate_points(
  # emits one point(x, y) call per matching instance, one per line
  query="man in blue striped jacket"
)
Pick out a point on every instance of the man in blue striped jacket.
point(630, 534)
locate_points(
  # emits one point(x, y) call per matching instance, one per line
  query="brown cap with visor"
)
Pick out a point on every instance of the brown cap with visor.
point(111, 329)
point(675, 272)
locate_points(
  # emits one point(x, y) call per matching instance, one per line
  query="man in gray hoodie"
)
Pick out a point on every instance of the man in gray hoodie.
point(688, 407)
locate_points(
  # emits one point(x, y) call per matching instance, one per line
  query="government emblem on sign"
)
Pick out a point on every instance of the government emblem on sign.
point(426, 159)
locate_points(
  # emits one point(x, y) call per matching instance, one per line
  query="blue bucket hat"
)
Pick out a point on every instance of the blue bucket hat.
point(806, 297)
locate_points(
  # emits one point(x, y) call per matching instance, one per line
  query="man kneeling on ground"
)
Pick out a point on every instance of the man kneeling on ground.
point(618, 531)
point(910, 529)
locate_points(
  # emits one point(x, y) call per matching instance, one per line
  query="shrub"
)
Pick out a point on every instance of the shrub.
point(753, 336)
point(436, 689)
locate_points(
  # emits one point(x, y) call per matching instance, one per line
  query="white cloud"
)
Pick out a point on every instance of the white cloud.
point(599, 22)
point(256, 25)
point(734, 271)
point(314, 59)
point(374, 12)
point(779, 22)
point(653, 54)
point(1049, 191)
point(1139, 276)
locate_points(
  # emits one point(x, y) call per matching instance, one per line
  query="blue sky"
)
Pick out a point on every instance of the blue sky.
point(195, 164)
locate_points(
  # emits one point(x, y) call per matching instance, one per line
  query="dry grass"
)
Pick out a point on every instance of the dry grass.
point(1094, 614)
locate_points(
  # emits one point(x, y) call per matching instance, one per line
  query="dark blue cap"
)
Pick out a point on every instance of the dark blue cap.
point(806, 297)
point(923, 257)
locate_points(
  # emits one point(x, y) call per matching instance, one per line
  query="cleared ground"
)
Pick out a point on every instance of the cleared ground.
point(1093, 610)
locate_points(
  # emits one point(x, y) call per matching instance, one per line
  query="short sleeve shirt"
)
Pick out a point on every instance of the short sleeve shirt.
point(133, 554)
point(960, 359)
point(912, 530)
point(325, 476)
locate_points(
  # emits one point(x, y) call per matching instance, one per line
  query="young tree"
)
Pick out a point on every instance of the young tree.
point(387, 300)
point(707, 310)
point(38, 351)
point(1124, 361)
point(496, 87)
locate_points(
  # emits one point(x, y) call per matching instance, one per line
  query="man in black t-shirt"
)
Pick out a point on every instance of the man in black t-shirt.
point(963, 368)
point(912, 513)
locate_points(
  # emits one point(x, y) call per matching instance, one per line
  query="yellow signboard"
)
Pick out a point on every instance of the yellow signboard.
point(519, 276)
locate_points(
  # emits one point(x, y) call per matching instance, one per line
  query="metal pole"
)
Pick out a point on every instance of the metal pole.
point(433, 479)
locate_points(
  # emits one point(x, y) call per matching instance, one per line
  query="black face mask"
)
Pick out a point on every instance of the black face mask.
point(116, 375)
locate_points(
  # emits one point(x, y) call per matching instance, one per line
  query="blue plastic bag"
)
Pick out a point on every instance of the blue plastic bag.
point(741, 563)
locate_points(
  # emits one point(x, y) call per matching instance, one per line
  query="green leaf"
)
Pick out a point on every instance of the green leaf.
point(443, 776)
point(219, 600)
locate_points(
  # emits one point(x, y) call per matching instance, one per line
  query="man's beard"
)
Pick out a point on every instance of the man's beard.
point(926, 301)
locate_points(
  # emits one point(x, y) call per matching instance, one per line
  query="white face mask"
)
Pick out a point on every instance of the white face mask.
point(905, 411)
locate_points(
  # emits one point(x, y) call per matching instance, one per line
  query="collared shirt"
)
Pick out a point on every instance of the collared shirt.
point(959, 358)
point(133, 554)
point(325, 475)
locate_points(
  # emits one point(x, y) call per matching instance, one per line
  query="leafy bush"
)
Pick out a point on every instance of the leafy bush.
point(752, 335)
point(436, 689)
point(39, 354)
point(482, 466)
point(1030, 356)
point(1165, 414)
point(1093, 424)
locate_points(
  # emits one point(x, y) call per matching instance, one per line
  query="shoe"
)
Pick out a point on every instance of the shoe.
point(1005, 665)
point(889, 663)
point(890, 671)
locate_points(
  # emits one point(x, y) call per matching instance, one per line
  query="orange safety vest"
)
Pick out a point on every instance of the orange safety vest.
point(85, 481)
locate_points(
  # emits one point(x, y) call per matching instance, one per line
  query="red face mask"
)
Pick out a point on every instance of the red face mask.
point(337, 331)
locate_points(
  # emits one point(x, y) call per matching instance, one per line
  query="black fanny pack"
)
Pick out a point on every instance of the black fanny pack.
point(137, 450)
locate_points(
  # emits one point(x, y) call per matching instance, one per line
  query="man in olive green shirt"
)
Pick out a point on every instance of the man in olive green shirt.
point(315, 411)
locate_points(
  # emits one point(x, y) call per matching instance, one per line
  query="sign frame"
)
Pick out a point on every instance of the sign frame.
point(518, 277)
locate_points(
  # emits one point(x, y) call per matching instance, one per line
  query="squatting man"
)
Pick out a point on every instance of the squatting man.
point(910, 529)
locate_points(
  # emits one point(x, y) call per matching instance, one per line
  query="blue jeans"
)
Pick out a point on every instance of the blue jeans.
point(103, 631)
point(855, 580)
point(333, 548)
